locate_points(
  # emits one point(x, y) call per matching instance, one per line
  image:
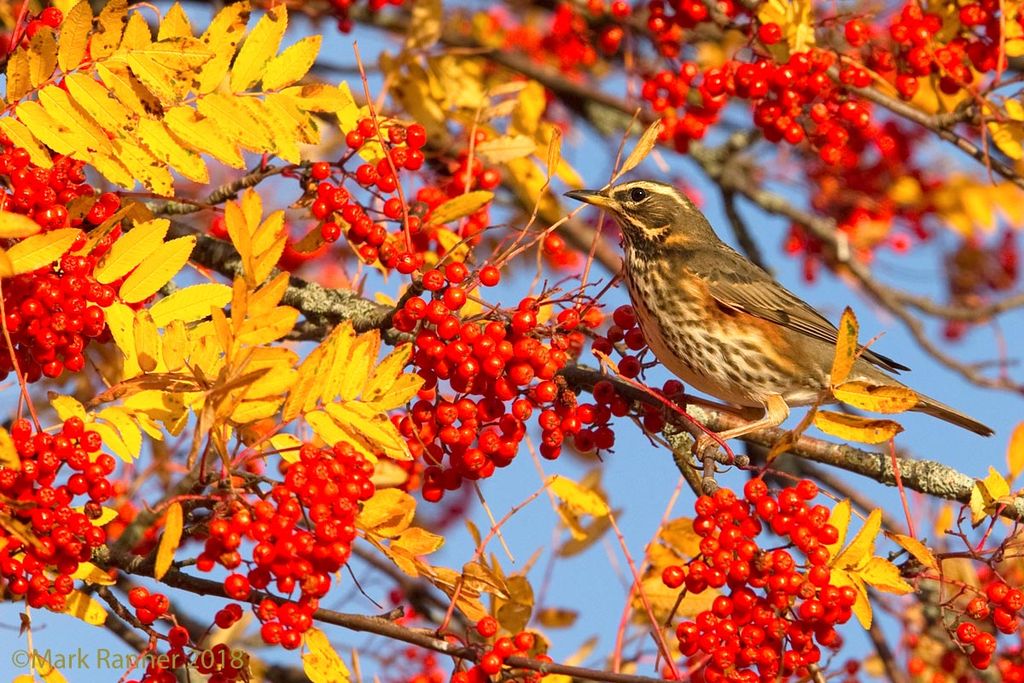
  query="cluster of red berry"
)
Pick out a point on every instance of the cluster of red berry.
point(49, 17)
point(492, 662)
point(302, 531)
point(51, 314)
point(775, 612)
point(505, 365)
point(31, 497)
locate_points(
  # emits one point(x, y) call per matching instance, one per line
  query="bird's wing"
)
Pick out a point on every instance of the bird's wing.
point(738, 284)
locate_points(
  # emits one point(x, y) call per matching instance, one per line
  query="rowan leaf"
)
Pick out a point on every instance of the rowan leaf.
point(8, 454)
point(91, 574)
point(416, 542)
point(795, 20)
point(322, 664)
point(42, 57)
point(203, 135)
point(358, 363)
point(173, 524)
point(168, 67)
point(461, 206)
point(131, 249)
point(1008, 136)
point(839, 517)
point(916, 548)
point(371, 427)
point(147, 341)
point(424, 25)
point(39, 251)
point(1015, 452)
point(388, 513)
point(856, 428)
point(176, 24)
point(501, 149)
point(578, 498)
point(16, 225)
point(221, 39)
point(112, 20)
point(642, 149)
point(877, 399)
point(74, 35)
point(163, 264)
point(80, 605)
point(846, 347)
point(882, 574)
point(292, 64)
point(20, 135)
point(986, 494)
point(190, 304)
point(862, 546)
point(259, 48)
point(18, 82)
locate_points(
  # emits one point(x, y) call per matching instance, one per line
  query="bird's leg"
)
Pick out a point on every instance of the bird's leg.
point(776, 410)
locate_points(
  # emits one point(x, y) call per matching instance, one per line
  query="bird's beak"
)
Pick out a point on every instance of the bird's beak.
point(595, 197)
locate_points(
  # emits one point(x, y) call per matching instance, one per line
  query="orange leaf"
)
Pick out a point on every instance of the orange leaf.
point(642, 149)
point(1015, 452)
point(877, 399)
point(169, 541)
point(854, 428)
point(846, 347)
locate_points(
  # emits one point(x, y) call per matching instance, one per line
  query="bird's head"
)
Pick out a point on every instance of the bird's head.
point(651, 214)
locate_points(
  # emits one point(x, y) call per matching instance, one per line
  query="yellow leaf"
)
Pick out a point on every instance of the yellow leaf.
point(840, 519)
point(168, 149)
point(336, 351)
point(48, 672)
point(137, 35)
point(1015, 452)
point(916, 548)
point(131, 249)
point(168, 67)
point(71, 116)
point(642, 149)
point(85, 608)
point(578, 498)
point(38, 251)
point(203, 135)
point(398, 394)
point(175, 24)
point(173, 523)
point(323, 97)
point(90, 573)
point(163, 264)
point(795, 20)
point(42, 57)
point(854, 428)
point(22, 137)
point(882, 574)
point(461, 206)
point(18, 84)
point(846, 347)
point(862, 606)
point(358, 363)
point(1014, 110)
point(557, 617)
point(944, 520)
point(147, 341)
point(877, 399)
point(373, 428)
point(6, 268)
point(112, 440)
point(530, 106)
point(258, 49)
point(112, 20)
point(127, 88)
point(292, 64)
point(190, 304)
point(16, 225)
point(121, 321)
point(985, 495)
point(505, 147)
point(388, 513)
point(67, 407)
point(1007, 136)
point(862, 546)
point(416, 541)
point(221, 38)
point(425, 25)
point(8, 454)
point(287, 446)
point(270, 327)
point(322, 664)
point(387, 372)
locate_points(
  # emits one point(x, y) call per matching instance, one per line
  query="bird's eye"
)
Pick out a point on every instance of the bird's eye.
point(638, 194)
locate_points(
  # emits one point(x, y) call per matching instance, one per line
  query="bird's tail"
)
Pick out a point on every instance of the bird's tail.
point(932, 407)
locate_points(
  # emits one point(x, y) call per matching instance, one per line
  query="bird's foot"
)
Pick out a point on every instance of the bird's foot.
point(705, 446)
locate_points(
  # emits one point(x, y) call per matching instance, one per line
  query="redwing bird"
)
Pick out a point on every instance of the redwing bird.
point(722, 324)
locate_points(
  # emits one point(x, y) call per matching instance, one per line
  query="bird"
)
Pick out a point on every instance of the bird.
point(724, 325)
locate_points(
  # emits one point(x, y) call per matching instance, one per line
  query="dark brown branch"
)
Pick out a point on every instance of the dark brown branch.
point(357, 622)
